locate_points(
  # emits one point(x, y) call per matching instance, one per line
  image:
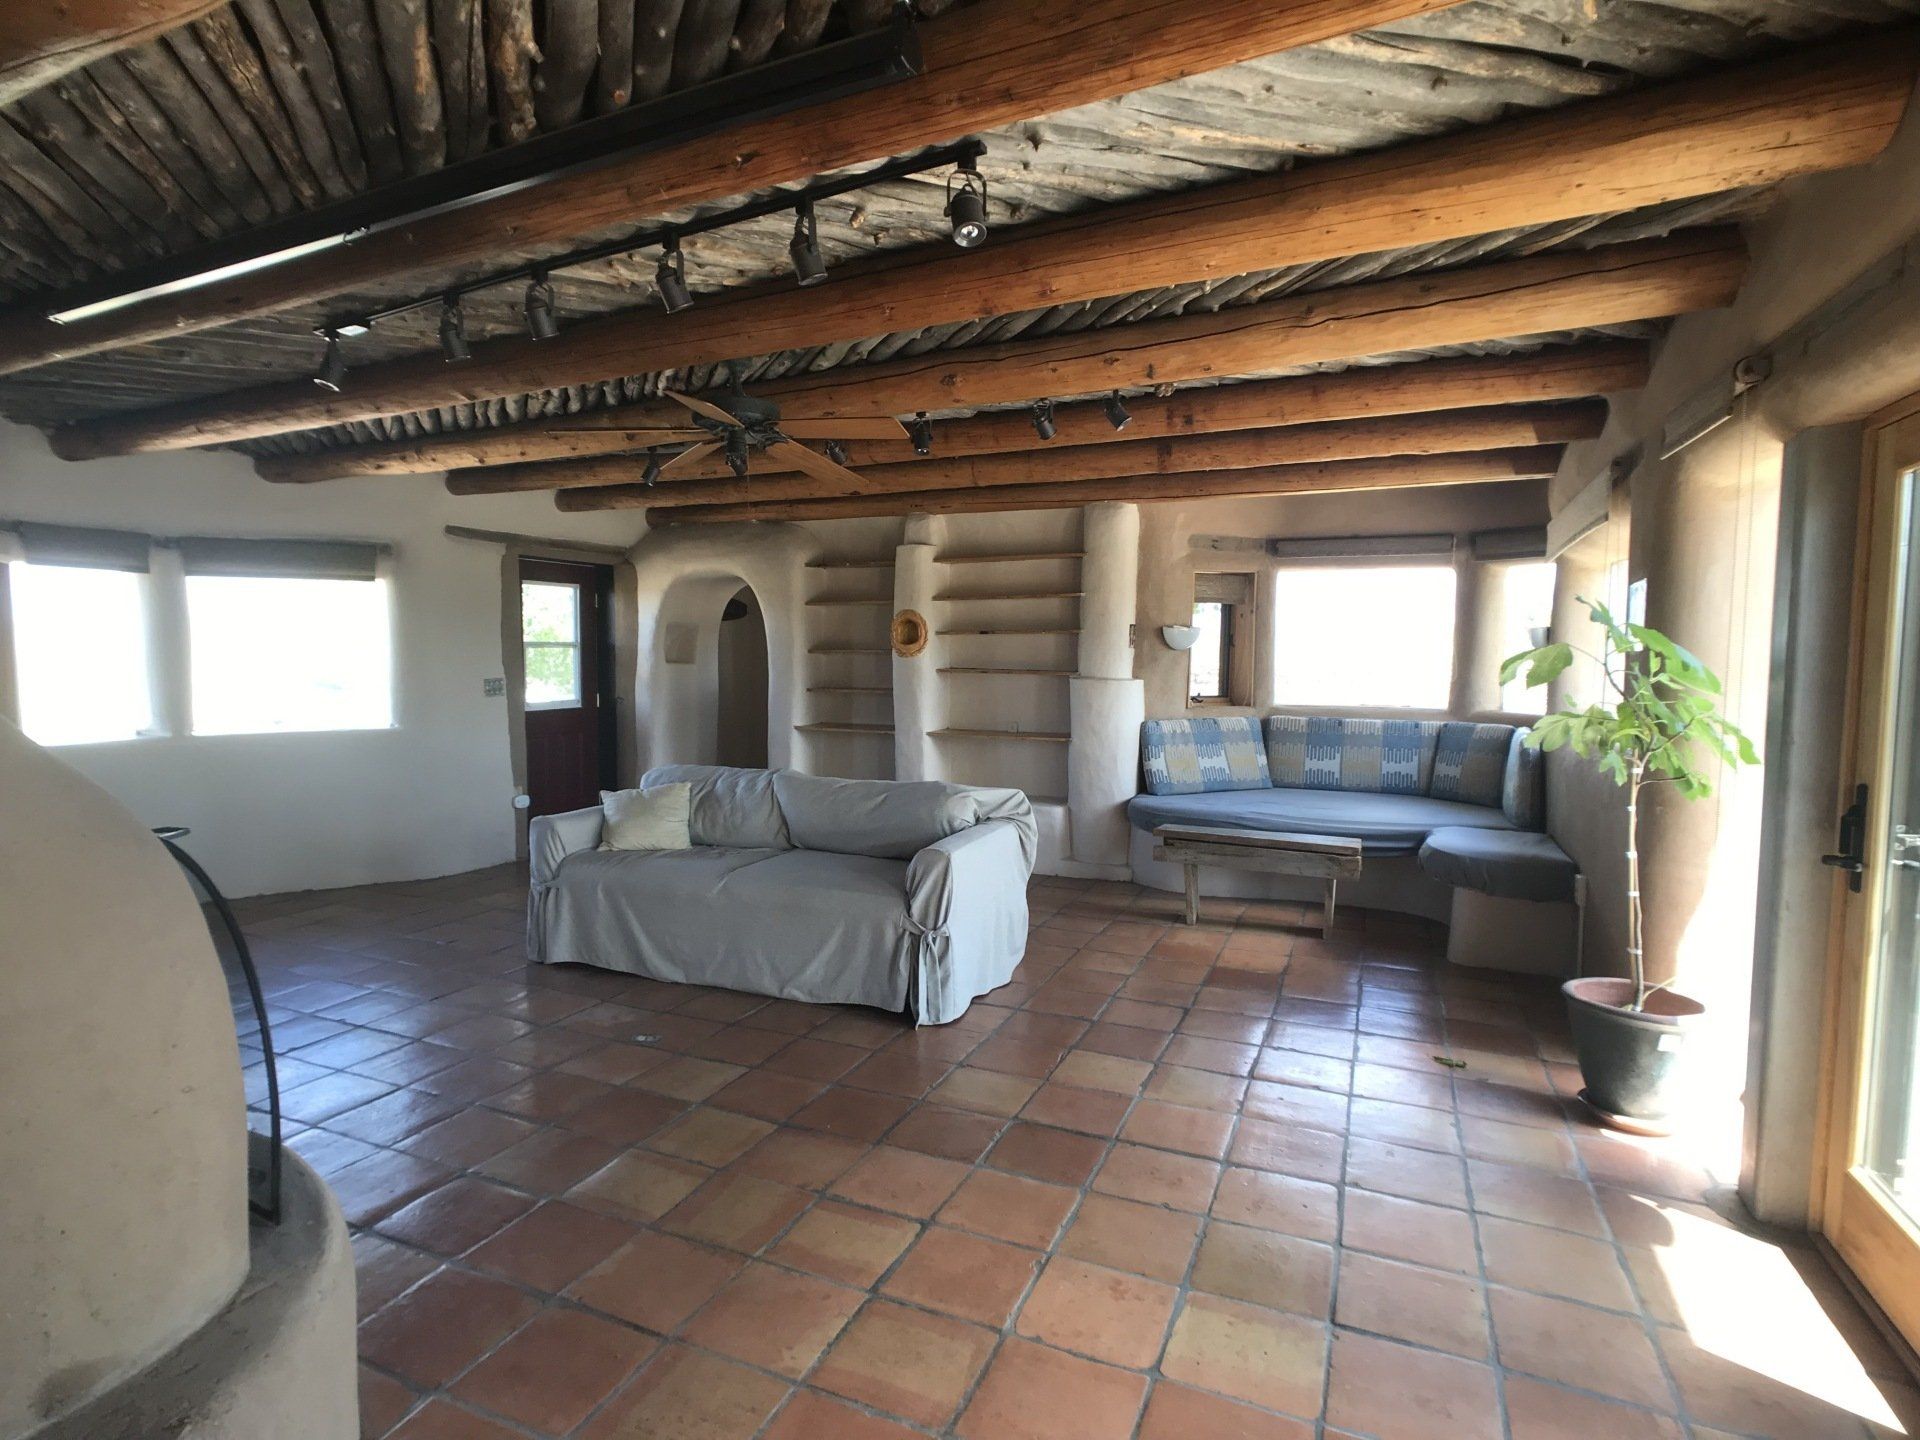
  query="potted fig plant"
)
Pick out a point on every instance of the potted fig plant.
point(1662, 727)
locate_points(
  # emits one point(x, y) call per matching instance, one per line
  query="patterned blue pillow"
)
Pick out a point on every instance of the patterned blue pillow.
point(1192, 757)
point(1323, 752)
point(1470, 762)
point(1523, 789)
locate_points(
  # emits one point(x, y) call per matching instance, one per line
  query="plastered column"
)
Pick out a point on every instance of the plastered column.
point(919, 691)
point(1105, 702)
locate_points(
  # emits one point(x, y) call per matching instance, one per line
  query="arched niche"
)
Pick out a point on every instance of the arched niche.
point(684, 578)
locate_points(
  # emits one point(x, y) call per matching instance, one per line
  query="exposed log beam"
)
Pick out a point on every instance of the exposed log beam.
point(1749, 127)
point(1455, 431)
point(999, 62)
point(41, 40)
point(1562, 291)
point(1566, 373)
point(1393, 473)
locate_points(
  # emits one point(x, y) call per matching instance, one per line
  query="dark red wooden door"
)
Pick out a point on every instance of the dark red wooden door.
point(569, 729)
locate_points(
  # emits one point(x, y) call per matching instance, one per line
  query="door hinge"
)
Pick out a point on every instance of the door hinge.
point(1852, 854)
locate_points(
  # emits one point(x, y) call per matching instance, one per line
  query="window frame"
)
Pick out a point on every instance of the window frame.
point(1440, 562)
point(580, 698)
point(147, 610)
point(1239, 627)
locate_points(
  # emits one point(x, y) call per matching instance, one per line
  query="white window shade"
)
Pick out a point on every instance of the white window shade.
point(278, 559)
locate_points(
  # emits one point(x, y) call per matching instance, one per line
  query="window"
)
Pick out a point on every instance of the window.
point(1350, 635)
point(289, 654)
point(80, 645)
point(550, 631)
point(1525, 597)
point(1220, 664)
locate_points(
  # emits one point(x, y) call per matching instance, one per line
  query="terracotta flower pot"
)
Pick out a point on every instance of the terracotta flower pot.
point(1629, 1058)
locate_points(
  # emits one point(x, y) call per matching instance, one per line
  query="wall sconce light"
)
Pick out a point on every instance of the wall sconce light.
point(1180, 637)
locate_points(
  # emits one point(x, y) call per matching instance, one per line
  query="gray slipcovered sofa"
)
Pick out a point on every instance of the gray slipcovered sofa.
point(901, 895)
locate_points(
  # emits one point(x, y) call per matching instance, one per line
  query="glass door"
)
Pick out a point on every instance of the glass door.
point(1872, 1209)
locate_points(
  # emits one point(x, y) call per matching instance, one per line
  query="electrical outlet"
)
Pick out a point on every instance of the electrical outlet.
point(494, 687)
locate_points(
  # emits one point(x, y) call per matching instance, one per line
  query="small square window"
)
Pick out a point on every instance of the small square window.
point(1379, 636)
point(274, 654)
point(80, 648)
point(550, 634)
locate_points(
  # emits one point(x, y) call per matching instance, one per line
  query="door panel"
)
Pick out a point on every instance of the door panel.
point(563, 627)
point(1872, 1201)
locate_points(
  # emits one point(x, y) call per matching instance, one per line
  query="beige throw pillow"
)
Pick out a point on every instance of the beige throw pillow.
point(653, 819)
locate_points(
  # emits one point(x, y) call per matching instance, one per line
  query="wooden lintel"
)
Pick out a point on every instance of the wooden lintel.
point(1395, 472)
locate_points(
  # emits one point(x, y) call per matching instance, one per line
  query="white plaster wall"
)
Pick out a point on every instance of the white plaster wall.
point(431, 796)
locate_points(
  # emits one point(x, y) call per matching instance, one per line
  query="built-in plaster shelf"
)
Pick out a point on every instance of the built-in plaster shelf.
point(851, 600)
point(886, 564)
point(1049, 737)
point(1007, 559)
point(1003, 670)
point(848, 650)
point(843, 727)
point(1019, 595)
point(1013, 630)
point(849, 689)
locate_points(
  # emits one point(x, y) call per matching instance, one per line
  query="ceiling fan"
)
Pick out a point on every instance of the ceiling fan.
point(741, 426)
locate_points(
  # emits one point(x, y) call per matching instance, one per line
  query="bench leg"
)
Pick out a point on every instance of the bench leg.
point(1326, 912)
point(1193, 893)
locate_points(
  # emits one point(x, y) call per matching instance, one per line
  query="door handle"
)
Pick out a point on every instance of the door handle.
point(1852, 853)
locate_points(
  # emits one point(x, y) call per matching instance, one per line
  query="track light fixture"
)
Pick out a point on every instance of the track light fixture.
point(670, 278)
point(652, 473)
point(543, 321)
point(920, 431)
point(1118, 415)
point(1043, 425)
point(333, 365)
point(453, 332)
point(836, 452)
point(809, 265)
point(966, 208)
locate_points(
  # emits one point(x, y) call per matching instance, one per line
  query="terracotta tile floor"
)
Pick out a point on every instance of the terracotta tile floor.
point(1170, 1184)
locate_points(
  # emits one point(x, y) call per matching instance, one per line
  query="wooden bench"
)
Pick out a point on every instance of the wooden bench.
point(1327, 858)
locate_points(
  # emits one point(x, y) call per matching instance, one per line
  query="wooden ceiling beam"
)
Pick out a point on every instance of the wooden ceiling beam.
point(1396, 472)
point(991, 64)
point(1537, 295)
point(1495, 428)
point(41, 40)
point(1747, 127)
point(1567, 372)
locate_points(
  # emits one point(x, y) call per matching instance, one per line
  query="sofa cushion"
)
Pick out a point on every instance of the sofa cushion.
point(1326, 752)
point(730, 806)
point(1470, 762)
point(887, 819)
point(1384, 824)
point(1510, 864)
point(1200, 756)
point(1523, 790)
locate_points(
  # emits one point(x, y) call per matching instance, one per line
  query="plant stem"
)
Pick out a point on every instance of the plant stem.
point(1636, 959)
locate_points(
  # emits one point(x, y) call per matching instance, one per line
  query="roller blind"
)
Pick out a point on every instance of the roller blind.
point(79, 545)
point(279, 559)
point(1227, 589)
point(1523, 543)
point(1375, 548)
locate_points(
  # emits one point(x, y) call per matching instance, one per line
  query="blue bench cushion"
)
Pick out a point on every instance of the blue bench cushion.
point(1523, 791)
point(1470, 762)
point(1511, 864)
point(1200, 756)
point(1383, 824)
point(1326, 752)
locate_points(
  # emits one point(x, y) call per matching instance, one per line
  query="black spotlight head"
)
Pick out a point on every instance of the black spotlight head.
point(1117, 413)
point(670, 280)
point(967, 205)
point(737, 451)
point(1043, 425)
point(543, 321)
point(809, 265)
point(836, 452)
point(333, 365)
point(651, 474)
point(920, 431)
point(453, 332)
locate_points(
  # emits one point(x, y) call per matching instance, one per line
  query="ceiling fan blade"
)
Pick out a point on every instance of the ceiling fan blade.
point(689, 456)
point(879, 427)
point(816, 465)
point(641, 434)
point(701, 407)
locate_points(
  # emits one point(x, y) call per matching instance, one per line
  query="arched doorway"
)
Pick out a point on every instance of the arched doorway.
point(741, 661)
